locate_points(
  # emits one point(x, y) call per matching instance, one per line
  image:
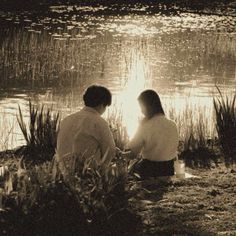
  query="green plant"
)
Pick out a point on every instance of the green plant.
point(85, 197)
point(41, 133)
point(225, 111)
point(98, 181)
point(36, 204)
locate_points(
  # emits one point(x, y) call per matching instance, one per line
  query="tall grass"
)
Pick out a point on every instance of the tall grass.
point(198, 150)
point(117, 127)
point(39, 58)
point(90, 200)
point(40, 133)
point(225, 111)
point(195, 124)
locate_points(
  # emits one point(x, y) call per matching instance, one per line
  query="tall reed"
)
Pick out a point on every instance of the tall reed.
point(40, 133)
point(225, 111)
point(196, 134)
point(38, 58)
point(118, 130)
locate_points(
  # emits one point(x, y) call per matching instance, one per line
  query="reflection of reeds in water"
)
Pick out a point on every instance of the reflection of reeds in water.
point(7, 137)
point(225, 111)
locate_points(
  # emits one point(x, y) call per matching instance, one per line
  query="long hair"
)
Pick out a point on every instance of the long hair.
point(151, 100)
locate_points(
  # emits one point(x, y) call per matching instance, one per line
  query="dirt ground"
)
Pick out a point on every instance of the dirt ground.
point(194, 206)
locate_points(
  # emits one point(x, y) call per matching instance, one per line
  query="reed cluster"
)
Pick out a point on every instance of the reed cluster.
point(40, 133)
point(39, 58)
point(225, 112)
point(36, 58)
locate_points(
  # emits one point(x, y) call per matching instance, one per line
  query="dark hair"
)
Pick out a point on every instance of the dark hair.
point(151, 100)
point(96, 95)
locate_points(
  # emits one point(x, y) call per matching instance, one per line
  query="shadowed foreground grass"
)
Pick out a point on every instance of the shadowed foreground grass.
point(197, 206)
point(204, 206)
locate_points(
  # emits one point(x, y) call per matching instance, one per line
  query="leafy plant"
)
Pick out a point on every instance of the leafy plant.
point(86, 198)
point(41, 133)
point(98, 181)
point(225, 111)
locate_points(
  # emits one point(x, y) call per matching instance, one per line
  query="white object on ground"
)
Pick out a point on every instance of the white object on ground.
point(179, 166)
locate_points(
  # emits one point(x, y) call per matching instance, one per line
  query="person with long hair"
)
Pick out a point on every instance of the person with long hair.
point(156, 139)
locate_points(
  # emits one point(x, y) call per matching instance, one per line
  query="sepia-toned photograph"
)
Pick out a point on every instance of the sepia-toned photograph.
point(117, 117)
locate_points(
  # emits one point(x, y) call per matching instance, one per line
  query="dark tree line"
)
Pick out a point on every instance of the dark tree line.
point(43, 4)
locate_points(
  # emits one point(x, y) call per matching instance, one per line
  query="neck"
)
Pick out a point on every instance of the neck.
point(98, 109)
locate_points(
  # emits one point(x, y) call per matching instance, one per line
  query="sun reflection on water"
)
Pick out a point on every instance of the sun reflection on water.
point(127, 98)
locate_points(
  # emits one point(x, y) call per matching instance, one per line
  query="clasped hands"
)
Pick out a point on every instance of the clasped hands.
point(124, 154)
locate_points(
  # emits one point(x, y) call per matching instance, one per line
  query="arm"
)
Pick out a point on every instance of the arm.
point(136, 144)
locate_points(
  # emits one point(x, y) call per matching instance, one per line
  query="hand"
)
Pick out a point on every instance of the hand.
point(127, 155)
point(118, 152)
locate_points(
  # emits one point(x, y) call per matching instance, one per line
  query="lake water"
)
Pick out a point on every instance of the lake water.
point(52, 58)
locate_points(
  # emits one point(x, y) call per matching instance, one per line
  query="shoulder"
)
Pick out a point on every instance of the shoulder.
point(66, 119)
point(172, 125)
point(102, 122)
point(163, 121)
point(69, 118)
point(172, 122)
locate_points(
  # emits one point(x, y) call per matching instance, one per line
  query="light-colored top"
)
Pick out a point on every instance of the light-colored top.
point(85, 133)
point(156, 139)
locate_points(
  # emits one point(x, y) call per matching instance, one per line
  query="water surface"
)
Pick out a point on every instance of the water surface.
point(52, 58)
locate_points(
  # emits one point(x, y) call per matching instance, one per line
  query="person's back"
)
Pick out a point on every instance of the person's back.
point(156, 138)
point(79, 133)
point(160, 137)
point(86, 133)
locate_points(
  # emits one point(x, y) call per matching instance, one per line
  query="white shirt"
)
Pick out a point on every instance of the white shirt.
point(85, 133)
point(156, 139)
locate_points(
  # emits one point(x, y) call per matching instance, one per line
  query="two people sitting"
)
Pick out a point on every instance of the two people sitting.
point(87, 134)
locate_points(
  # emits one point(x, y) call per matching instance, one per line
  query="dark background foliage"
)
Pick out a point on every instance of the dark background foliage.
point(43, 4)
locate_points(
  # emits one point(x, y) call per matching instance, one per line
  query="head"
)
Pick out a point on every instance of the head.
point(150, 103)
point(97, 97)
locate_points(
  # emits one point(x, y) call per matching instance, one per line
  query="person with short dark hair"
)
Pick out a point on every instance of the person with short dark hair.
point(85, 132)
point(97, 95)
point(156, 138)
